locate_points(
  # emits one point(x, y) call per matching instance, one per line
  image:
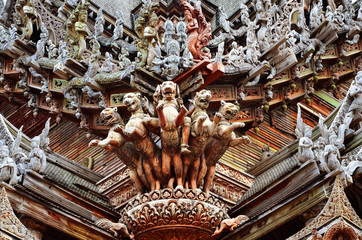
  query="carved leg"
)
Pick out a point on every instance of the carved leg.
point(180, 117)
point(185, 136)
point(194, 170)
point(199, 125)
point(141, 174)
point(230, 130)
point(214, 124)
point(149, 175)
point(177, 165)
point(157, 167)
point(186, 161)
point(136, 180)
point(166, 166)
point(203, 170)
point(161, 115)
point(209, 178)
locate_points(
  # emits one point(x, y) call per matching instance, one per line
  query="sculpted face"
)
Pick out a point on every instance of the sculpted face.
point(110, 116)
point(168, 90)
point(202, 99)
point(132, 101)
point(228, 110)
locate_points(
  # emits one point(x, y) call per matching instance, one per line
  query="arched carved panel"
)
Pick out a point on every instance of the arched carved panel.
point(340, 230)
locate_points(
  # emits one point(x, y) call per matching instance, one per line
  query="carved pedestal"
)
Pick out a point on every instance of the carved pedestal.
point(173, 214)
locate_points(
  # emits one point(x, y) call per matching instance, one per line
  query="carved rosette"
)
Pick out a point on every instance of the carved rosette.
point(173, 214)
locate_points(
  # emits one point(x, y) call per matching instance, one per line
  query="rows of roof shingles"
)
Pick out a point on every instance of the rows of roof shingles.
point(66, 138)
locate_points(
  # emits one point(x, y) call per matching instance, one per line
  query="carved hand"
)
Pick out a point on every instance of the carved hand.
point(93, 143)
point(217, 117)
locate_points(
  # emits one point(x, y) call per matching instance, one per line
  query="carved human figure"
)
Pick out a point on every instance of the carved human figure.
point(136, 132)
point(150, 35)
point(331, 155)
point(198, 29)
point(171, 118)
point(172, 61)
point(264, 36)
point(355, 107)
point(305, 152)
point(82, 31)
point(37, 156)
point(222, 139)
point(40, 45)
point(108, 64)
point(201, 130)
point(315, 16)
point(125, 151)
point(329, 13)
point(63, 55)
point(124, 61)
point(93, 62)
point(169, 32)
point(244, 13)
point(52, 49)
point(8, 168)
point(181, 34)
point(236, 55)
point(99, 24)
point(304, 134)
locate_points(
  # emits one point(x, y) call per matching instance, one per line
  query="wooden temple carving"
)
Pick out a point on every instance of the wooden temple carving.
point(337, 219)
point(172, 95)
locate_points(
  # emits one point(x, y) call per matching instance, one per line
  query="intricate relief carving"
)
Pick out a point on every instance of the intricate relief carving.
point(337, 206)
point(234, 174)
point(9, 223)
point(123, 174)
point(158, 211)
point(229, 191)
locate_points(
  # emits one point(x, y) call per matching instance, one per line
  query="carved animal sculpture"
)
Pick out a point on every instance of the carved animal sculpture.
point(230, 224)
point(136, 132)
point(125, 151)
point(223, 138)
point(170, 120)
point(201, 130)
point(114, 227)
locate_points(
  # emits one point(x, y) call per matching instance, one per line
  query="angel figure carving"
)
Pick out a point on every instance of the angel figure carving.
point(198, 29)
point(304, 134)
point(38, 145)
point(8, 168)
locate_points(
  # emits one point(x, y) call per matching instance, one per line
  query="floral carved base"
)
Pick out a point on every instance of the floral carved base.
point(173, 214)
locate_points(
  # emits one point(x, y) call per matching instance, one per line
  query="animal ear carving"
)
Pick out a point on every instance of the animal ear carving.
point(115, 109)
point(222, 102)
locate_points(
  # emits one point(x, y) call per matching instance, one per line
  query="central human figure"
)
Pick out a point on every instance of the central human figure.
point(171, 117)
